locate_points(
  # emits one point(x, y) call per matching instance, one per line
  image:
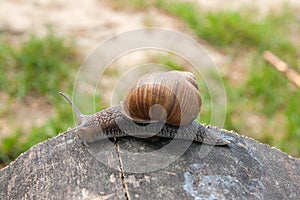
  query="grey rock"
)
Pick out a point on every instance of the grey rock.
point(136, 168)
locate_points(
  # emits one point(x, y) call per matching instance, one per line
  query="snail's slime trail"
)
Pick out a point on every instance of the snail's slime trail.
point(122, 176)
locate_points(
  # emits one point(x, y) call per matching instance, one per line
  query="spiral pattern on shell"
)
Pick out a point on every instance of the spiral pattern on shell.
point(163, 96)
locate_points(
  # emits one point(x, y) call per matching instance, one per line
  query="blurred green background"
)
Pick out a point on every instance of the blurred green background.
point(261, 102)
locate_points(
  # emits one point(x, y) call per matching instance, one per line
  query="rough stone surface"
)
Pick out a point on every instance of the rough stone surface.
point(135, 168)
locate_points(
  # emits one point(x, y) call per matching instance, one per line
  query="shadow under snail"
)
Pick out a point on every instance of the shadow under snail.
point(163, 104)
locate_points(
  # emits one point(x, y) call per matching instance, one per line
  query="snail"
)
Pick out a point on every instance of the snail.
point(164, 104)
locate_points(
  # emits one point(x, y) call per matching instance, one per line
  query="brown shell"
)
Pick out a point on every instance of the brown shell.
point(163, 96)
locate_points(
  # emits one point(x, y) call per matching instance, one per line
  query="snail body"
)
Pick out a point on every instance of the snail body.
point(154, 105)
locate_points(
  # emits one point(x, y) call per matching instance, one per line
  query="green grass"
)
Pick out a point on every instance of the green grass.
point(270, 94)
point(18, 142)
point(265, 93)
point(230, 28)
point(40, 66)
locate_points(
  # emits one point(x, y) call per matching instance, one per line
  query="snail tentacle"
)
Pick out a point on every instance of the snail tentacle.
point(79, 115)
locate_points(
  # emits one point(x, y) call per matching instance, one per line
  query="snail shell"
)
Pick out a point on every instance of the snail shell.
point(163, 96)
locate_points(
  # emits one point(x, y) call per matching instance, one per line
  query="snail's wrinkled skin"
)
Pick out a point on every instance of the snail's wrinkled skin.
point(110, 123)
